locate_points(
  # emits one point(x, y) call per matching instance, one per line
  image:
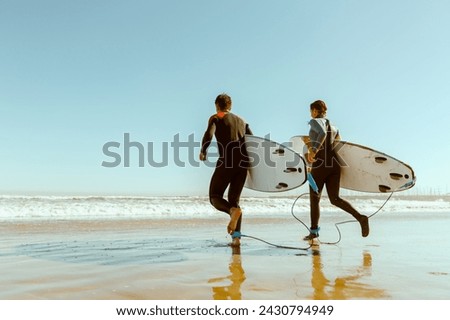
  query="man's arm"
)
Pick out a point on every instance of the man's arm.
point(207, 137)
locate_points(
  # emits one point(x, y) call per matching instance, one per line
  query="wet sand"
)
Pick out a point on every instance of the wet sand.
point(405, 257)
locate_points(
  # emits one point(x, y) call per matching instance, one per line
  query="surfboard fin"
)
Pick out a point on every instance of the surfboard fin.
point(383, 188)
point(396, 176)
point(380, 159)
point(281, 185)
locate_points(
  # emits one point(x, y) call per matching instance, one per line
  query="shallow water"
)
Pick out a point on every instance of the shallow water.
point(405, 257)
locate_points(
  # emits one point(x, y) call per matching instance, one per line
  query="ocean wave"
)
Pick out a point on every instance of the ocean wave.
point(179, 207)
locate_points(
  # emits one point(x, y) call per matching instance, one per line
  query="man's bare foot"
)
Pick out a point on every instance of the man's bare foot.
point(235, 214)
point(236, 242)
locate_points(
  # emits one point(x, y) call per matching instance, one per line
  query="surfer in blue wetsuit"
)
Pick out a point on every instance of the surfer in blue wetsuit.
point(232, 165)
point(326, 169)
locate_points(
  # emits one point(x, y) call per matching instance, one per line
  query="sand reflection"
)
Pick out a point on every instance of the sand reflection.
point(231, 291)
point(344, 287)
point(351, 285)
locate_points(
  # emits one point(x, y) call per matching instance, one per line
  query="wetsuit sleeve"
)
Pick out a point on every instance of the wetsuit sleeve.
point(317, 135)
point(209, 133)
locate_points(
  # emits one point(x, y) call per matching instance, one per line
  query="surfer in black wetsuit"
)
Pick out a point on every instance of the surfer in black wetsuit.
point(326, 169)
point(231, 167)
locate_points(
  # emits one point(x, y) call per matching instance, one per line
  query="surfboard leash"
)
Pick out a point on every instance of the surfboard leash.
point(339, 223)
point(276, 245)
point(283, 246)
point(307, 228)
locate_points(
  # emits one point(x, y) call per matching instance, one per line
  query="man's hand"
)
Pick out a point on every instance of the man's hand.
point(310, 156)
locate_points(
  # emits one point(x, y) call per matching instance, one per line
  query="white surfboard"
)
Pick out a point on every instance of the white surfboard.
point(273, 167)
point(365, 169)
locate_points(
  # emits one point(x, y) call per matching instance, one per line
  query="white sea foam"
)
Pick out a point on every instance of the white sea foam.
point(77, 208)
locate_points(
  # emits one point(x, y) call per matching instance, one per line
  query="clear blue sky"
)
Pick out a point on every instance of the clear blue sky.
point(75, 75)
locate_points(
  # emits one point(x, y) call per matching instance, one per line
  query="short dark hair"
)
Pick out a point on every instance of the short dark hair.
point(223, 101)
point(320, 106)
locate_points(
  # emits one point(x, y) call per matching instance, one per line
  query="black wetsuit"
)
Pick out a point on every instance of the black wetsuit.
point(232, 165)
point(326, 170)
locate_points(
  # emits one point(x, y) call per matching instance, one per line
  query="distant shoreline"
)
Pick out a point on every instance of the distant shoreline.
point(402, 196)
